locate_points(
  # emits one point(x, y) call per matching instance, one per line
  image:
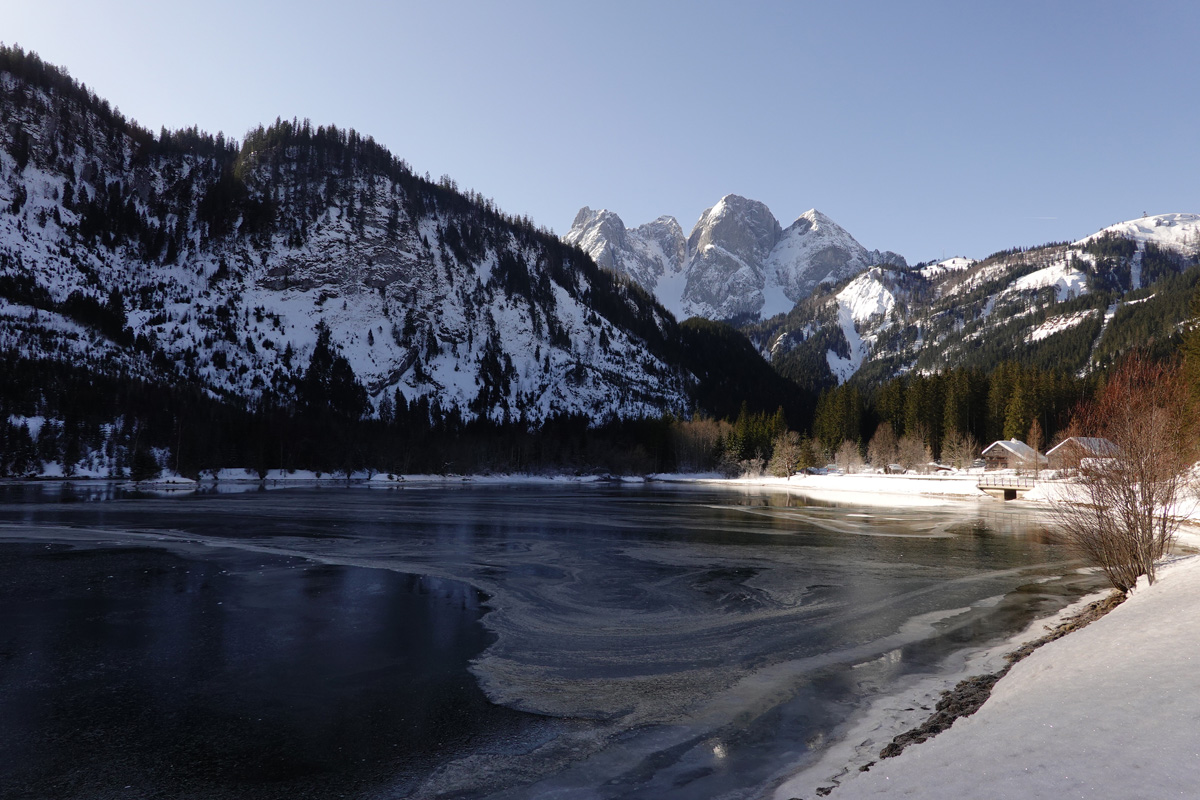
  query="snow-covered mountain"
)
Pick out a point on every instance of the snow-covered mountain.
point(727, 249)
point(738, 263)
point(1073, 306)
point(651, 254)
point(185, 257)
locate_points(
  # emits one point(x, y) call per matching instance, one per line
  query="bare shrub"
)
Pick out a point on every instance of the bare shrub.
point(731, 466)
point(1122, 518)
point(751, 467)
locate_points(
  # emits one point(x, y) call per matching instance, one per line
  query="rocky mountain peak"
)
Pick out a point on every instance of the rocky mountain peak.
point(737, 263)
point(647, 254)
point(601, 234)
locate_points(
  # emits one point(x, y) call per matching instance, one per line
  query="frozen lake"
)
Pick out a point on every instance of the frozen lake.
point(477, 641)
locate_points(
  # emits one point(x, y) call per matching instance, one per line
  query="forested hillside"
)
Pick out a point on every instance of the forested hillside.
point(299, 299)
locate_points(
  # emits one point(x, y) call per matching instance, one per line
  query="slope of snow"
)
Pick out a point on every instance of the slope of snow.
point(813, 250)
point(1107, 712)
point(864, 299)
point(775, 301)
point(1180, 232)
point(1067, 282)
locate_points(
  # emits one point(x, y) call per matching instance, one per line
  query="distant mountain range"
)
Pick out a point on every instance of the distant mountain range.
point(1072, 306)
point(738, 263)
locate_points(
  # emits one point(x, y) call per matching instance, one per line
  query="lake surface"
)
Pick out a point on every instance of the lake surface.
point(476, 641)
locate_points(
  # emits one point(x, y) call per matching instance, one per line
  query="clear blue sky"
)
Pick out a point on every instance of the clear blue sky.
point(925, 128)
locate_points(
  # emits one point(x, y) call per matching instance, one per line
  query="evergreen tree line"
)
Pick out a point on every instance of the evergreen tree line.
point(99, 418)
point(941, 409)
point(91, 421)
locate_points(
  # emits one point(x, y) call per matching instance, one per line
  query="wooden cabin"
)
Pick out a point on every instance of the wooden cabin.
point(1068, 453)
point(1012, 454)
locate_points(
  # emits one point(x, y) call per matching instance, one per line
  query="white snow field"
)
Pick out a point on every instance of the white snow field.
point(1110, 711)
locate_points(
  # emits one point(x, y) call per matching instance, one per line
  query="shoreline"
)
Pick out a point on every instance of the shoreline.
point(1109, 707)
point(891, 715)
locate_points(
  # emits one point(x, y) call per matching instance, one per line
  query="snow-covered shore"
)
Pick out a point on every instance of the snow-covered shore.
point(956, 488)
point(1107, 712)
point(864, 488)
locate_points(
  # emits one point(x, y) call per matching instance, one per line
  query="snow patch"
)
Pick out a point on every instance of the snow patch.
point(1067, 281)
point(1058, 324)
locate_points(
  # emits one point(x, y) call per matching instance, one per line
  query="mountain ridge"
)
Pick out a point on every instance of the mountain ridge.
point(1028, 304)
point(738, 262)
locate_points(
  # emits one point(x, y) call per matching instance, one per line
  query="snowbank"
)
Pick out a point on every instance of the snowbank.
point(1109, 711)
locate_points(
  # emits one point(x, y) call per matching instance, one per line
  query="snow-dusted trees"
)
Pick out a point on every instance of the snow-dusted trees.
point(1124, 516)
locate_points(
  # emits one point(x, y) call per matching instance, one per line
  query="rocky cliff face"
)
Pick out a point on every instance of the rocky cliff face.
point(728, 249)
point(650, 254)
point(739, 263)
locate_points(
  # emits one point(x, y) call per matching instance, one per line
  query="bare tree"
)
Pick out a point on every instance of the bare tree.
point(959, 450)
point(1036, 440)
point(848, 458)
point(881, 450)
point(697, 441)
point(785, 455)
point(913, 453)
point(1123, 518)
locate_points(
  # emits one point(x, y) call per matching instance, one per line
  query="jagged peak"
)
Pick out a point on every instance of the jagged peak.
point(587, 216)
point(815, 220)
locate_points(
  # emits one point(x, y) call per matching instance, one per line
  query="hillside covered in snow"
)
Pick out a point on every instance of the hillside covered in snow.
point(302, 269)
point(737, 264)
point(1073, 306)
point(222, 260)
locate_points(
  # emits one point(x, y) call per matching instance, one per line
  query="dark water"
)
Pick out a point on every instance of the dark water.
point(331, 642)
